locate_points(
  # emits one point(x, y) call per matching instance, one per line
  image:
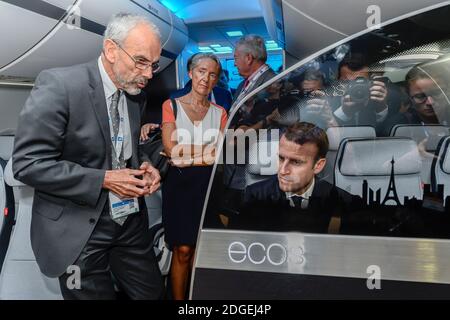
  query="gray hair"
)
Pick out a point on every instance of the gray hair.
point(121, 24)
point(254, 45)
point(194, 60)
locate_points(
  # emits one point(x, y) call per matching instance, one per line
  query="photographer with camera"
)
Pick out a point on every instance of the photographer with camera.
point(316, 109)
point(364, 99)
point(307, 102)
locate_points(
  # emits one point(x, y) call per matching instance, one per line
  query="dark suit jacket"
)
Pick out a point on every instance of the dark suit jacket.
point(62, 149)
point(266, 208)
point(266, 76)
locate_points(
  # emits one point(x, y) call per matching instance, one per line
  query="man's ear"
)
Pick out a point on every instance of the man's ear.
point(319, 165)
point(110, 50)
point(249, 58)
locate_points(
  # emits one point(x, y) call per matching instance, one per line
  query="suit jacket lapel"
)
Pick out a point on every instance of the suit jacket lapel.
point(238, 91)
point(97, 96)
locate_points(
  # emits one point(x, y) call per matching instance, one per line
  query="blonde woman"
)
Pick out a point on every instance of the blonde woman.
point(189, 136)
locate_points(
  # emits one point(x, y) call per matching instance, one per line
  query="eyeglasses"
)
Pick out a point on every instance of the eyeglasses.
point(139, 64)
point(422, 97)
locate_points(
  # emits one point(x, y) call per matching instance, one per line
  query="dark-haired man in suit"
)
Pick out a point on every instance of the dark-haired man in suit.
point(295, 199)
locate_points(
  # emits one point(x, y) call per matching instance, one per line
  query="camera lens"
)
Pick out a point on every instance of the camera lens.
point(359, 90)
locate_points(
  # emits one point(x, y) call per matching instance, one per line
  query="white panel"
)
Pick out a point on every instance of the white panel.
point(350, 16)
point(16, 39)
point(12, 100)
point(66, 47)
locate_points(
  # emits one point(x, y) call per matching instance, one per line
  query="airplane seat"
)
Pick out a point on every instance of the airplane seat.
point(21, 278)
point(262, 160)
point(7, 205)
point(335, 136)
point(440, 171)
point(427, 135)
point(364, 167)
point(162, 251)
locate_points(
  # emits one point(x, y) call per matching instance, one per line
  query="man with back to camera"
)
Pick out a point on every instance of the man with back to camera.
point(250, 56)
point(295, 199)
point(76, 145)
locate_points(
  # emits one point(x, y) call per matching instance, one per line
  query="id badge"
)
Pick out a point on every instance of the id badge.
point(122, 207)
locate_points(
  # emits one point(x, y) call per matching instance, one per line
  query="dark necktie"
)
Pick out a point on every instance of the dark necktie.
point(115, 120)
point(299, 202)
point(246, 82)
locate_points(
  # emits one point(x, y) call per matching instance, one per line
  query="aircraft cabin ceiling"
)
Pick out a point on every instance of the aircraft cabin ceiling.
point(208, 21)
point(198, 11)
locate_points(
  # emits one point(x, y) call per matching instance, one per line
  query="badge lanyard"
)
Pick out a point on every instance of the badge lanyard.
point(120, 208)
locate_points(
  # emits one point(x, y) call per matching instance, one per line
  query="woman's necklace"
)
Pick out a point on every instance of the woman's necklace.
point(195, 107)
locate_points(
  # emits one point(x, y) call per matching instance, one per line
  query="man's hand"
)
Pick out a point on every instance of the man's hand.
point(124, 183)
point(146, 129)
point(274, 117)
point(318, 107)
point(152, 177)
point(378, 94)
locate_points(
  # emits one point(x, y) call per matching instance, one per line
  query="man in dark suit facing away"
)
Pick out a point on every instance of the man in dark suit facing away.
point(295, 199)
point(77, 146)
point(250, 56)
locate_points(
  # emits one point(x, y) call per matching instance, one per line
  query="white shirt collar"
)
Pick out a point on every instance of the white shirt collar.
point(256, 72)
point(306, 195)
point(108, 85)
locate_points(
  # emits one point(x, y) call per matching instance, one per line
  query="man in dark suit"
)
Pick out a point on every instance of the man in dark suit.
point(77, 146)
point(295, 200)
point(250, 56)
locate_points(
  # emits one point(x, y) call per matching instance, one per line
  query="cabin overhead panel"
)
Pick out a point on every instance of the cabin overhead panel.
point(311, 25)
point(61, 33)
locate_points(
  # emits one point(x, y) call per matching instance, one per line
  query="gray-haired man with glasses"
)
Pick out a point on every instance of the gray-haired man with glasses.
point(77, 146)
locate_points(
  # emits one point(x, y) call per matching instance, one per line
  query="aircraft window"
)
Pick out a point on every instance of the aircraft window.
point(382, 100)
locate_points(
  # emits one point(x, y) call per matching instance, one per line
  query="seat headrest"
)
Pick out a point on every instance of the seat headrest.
point(263, 158)
point(337, 134)
point(372, 157)
point(9, 176)
point(445, 156)
point(6, 146)
point(433, 134)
